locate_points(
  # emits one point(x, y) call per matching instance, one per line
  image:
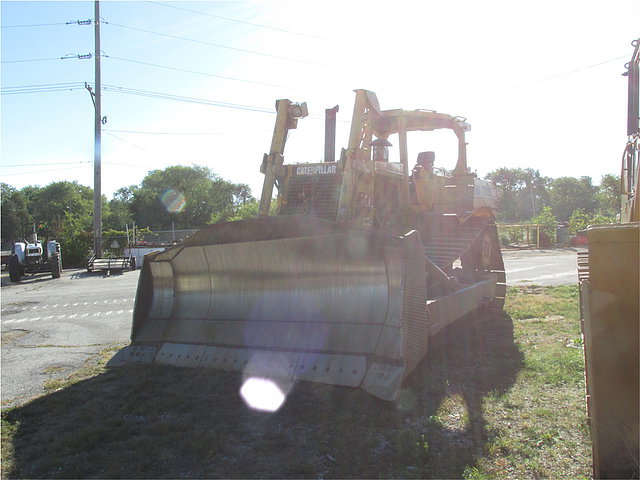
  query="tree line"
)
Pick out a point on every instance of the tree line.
point(526, 197)
point(190, 197)
point(176, 197)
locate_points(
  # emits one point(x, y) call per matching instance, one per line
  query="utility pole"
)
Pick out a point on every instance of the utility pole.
point(97, 149)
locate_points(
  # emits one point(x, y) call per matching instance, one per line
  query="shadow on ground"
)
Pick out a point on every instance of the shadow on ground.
point(153, 422)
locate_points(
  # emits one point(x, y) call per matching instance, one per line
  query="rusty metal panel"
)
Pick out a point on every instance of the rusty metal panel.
point(180, 355)
point(383, 380)
point(192, 284)
point(162, 302)
point(320, 336)
point(445, 310)
point(415, 326)
point(142, 354)
point(390, 343)
point(394, 259)
point(328, 279)
point(253, 363)
point(348, 370)
point(151, 331)
point(610, 297)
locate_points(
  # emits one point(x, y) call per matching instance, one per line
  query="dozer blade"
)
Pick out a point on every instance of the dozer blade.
point(290, 297)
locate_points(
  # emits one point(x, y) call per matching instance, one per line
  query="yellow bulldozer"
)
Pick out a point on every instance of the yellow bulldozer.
point(345, 277)
point(609, 274)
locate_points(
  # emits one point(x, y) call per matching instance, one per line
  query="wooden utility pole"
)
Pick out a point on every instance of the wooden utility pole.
point(97, 149)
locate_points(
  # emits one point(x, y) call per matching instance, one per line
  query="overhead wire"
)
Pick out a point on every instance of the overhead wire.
point(42, 88)
point(218, 45)
point(571, 72)
point(180, 98)
point(140, 132)
point(224, 77)
point(41, 164)
point(268, 27)
point(31, 60)
point(39, 171)
point(34, 25)
point(117, 137)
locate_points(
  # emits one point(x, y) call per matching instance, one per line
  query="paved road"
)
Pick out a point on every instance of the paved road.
point(541, 267)
point(50, 327)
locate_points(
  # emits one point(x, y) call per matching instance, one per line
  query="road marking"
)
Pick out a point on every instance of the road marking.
point(64, 315)
point(572, 273)
point(524, 269)
point(17, 309)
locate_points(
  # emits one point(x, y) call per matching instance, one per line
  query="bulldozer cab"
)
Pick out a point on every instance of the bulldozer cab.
point(372, 185)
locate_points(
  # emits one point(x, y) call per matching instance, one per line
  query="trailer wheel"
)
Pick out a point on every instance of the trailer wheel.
point(14, 268)
point(56, 267)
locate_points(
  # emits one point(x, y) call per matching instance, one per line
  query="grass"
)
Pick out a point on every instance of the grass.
point(498, 396)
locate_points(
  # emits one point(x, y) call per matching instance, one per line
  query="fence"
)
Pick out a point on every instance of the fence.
point(520, 236)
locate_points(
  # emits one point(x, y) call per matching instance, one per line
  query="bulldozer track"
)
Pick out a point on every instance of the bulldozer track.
point(453, 239)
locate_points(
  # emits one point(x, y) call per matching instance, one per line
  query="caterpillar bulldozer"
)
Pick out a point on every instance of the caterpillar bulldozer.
point(609, 277)
point(342, 280)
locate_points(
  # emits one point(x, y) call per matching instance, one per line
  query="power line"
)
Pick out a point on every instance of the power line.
point(137, 146)
point(218, 45)
point(43, 88)
point(37, 172)
point(571, 72)
point(200, 73)
point(57, 87)
point(139, 132)
point(180, 98)
point(34, 25)
point(268, 27)
point(40, 164)
point(31, 60)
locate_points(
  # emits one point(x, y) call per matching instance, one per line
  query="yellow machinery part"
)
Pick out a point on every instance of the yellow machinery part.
point(611, 322)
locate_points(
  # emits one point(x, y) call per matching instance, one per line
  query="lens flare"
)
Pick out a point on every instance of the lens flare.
point(262, 394)
point(174, 201)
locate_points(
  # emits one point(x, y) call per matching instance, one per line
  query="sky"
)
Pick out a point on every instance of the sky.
point(195, 82)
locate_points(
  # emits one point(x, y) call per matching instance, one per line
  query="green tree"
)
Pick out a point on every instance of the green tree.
point(608, 196)
point(14, 214)
point(522, 192)
point(549, 223)
point(120, 213)
point(567, 194)
point(187, 196)
point(66, 211)
point(579, 220)
point(59, 201)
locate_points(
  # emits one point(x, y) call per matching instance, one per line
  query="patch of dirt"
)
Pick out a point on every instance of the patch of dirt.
point(12, 335)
